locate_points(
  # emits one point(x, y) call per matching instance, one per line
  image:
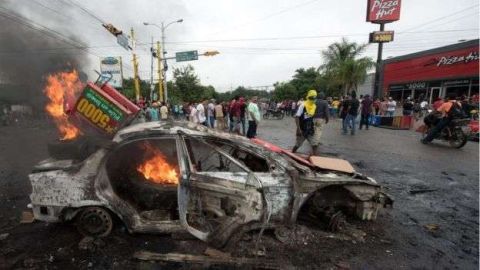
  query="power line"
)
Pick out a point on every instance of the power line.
point(33, 25)
point(270, 15)
point(61, 14)
point(86, 11)
point(296, 37)
point(437, 19)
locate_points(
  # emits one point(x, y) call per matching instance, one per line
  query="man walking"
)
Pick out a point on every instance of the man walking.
point(352, 112)
point(202, 119)
point(366, 111)
point(219, 116)
point(211, 113)
point(163, 112)
point(305, 122)
point(253, 115)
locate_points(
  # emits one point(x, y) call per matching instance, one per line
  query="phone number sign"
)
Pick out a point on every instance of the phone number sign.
point(99, 111)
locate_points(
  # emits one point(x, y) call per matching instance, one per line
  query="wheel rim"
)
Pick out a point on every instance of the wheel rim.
point(95, 221)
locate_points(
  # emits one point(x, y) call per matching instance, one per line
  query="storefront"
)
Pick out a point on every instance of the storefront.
point(433, 73)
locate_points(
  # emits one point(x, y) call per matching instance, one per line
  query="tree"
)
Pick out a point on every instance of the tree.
point(342, 66)
point(304, 80)
point(187, 84)
point(128, 89)
point(284, 91)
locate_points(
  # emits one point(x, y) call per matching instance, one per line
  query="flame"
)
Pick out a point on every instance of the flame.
point(61, 89)
point(156, 168)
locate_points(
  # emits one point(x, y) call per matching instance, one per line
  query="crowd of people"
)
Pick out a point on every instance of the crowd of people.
point(238, 116)
point(241, 116)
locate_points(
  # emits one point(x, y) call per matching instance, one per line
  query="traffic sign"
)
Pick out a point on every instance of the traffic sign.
point(186, 56)
point(122, 40)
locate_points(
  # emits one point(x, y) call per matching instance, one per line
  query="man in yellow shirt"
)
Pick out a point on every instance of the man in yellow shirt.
point(335, 105)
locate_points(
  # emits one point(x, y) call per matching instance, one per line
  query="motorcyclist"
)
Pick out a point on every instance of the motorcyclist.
point(448, 111)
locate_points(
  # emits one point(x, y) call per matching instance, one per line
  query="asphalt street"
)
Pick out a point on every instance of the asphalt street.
point(433, 230)
point(437, 229)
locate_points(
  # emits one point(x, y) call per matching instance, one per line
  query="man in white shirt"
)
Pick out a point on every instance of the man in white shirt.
point(193, 114)
point(202, 119)
point(391, 107)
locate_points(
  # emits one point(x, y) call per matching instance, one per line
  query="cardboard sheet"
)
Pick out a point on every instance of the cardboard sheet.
point(335, 164)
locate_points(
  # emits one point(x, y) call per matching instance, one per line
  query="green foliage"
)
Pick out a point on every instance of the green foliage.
point(242, 91)
point(187, 88)
point(341, 73)
point(284, 90)
point(342, 66)
point(128, 89)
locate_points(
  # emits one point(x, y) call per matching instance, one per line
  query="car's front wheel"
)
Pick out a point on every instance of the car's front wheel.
point(95, 222)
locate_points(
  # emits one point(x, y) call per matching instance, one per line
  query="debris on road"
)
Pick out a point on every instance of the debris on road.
point(431, 227)
point(342, 265)
point(216, 253)
point(86, 243)
point(27, 217)
point(202, 259)
point(4, 236)
point(420, 191)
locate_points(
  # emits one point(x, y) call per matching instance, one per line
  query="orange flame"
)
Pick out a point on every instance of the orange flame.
point(157, 169)
point(62, 88)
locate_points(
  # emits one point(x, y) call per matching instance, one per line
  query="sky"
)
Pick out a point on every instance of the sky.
point(260, 42)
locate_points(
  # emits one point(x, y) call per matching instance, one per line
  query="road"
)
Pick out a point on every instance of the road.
point(432, 230)
point(396, 159)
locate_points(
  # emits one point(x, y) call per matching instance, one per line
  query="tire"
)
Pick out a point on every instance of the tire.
point(265, 116)
point(94, 221)
point(78, 149)
point(460, 141)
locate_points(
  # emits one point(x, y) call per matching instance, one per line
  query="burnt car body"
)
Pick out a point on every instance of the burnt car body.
point(227, 185)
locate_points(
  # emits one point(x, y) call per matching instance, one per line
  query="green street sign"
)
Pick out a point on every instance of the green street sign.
point(186, 56)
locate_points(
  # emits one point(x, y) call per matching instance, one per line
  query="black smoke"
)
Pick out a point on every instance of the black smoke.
point(28, 55)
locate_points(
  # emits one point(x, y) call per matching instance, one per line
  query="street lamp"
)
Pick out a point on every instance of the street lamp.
point(165, 67)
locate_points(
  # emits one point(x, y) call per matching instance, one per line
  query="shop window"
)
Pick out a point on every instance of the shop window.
point(396, 95)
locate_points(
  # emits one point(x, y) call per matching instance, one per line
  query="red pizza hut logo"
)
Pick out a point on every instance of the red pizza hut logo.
point(382, 11)
point(450, 60)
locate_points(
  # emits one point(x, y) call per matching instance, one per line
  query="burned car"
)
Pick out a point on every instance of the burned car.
point(165, 177)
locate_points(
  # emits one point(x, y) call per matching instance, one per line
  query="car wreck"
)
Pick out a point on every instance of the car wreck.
point(166, 177)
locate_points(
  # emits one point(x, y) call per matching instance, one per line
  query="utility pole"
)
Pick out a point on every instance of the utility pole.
point(152, 87)
point(377, 91)
point(165, 67)
point(135, 68)
point(160, 71)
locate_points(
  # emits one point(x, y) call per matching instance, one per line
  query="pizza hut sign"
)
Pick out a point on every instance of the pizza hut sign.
point(450, 60)
point(383, 11)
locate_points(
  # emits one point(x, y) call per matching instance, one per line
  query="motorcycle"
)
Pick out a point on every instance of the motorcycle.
point(270, 114)
point(456, 133)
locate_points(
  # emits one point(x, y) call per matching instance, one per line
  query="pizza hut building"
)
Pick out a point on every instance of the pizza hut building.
point(433, 73)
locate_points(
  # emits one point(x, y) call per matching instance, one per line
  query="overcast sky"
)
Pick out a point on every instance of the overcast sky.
point(296, 32)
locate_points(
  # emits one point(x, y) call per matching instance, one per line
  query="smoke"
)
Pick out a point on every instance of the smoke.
point(28, 55)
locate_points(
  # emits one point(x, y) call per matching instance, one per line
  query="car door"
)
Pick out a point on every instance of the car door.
point(217, 195)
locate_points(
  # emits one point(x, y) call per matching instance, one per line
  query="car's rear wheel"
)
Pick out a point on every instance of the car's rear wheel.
point(94, 221)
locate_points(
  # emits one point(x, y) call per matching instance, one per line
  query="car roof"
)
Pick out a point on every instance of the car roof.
point(171, 127)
